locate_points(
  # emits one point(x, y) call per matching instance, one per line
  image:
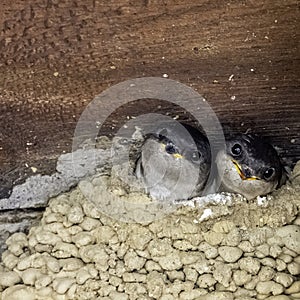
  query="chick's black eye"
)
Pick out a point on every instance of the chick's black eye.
point(236, 149)
point(268, 173)
point(170, 148)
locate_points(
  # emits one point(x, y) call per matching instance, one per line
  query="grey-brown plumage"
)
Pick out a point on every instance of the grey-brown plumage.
point(249, 166)
point(174, 162)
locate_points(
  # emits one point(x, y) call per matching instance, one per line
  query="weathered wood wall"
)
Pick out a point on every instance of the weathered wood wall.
point(55, 56)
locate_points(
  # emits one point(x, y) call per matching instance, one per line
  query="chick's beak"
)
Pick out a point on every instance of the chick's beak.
point(241, 173)
point(177, 155)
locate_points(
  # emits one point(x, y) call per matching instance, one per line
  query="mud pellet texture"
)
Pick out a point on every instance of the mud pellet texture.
point(76, 252)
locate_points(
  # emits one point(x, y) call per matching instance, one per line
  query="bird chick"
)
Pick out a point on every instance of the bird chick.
point(174, 162)
point(249, 166)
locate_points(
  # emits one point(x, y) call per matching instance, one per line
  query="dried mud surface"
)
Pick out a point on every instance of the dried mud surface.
point(226, 248)
point(56, 56)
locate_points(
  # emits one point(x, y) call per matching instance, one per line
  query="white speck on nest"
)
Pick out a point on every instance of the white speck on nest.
point(261, 200)
point(219, 198)
point(138, 133)
point(232, 97)
point(231, 77)
point(165, 75)
point(206, 213)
